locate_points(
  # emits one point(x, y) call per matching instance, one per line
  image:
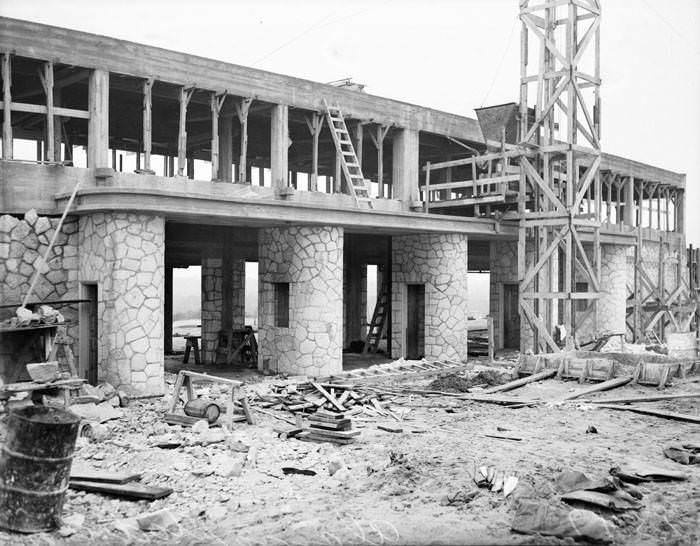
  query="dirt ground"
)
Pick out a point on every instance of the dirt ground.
point(391, 488)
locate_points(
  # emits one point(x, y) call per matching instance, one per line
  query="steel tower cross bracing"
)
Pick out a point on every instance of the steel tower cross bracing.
point(559, 192)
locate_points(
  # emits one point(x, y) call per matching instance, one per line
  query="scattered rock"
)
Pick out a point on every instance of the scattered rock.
point(156, 521)
point(334, 465)
point(43, 372)
point(226, 466)
point(591, 430)
point(200, 426)
point(97, 413)
point(98, 432)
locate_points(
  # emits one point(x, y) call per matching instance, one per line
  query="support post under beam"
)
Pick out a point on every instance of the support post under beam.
point(216, 103)
point(185, 96)
point(147, 124)
point(242, 110)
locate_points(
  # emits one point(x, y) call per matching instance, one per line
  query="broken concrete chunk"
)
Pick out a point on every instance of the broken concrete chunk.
point(157, 521)
point(603, 500)
point(200, 426)
point(43, 372)
point(636, 471)
point(551, 520)
point(683, 454)
point(97, 413)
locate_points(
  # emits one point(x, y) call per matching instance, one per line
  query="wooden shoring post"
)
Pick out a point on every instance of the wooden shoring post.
point(58, 124)
point(338, 176)
point(7, 151)
point(148, 124)
point(216, 102)
point(359, 138)
point(242, 110)
point(46, 77)
point(378, 140)
point(185, 96)
point(426, 197)
point(315, 124)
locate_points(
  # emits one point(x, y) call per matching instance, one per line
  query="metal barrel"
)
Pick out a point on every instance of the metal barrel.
point(35, 463)
point(203, 408)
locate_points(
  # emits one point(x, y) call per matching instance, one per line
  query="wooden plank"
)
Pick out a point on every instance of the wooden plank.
point(394, 430)
point(135, 491)
point(328, 396)
point(41, 109)
point(345, 434)
point(651, 398)
point(655, 413)
point(246, 410)
point(80, 473)
point(605, 385)
point(517, 383)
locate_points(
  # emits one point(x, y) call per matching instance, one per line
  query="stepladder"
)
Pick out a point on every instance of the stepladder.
point(379, 319)
point(357, 185)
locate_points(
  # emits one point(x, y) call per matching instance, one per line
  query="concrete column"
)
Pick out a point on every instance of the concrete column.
point(308, 261)
point(279, 143)
point(168, 311)
point(405, 168)
point(438, 261)
point(98, 124)
point(124, 254)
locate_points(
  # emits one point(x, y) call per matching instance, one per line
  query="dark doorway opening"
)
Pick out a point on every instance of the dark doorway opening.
point(88, 333)
point(511, 317)
point(415, 321)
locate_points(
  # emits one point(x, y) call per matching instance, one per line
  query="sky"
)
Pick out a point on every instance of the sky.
point(453, 55)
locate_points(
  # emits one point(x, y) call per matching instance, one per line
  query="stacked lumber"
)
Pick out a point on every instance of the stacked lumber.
point(329, 426)
point(311, 397)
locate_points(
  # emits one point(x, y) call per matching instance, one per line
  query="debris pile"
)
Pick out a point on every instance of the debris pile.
point(311, 397)
point(24, 318)
point(328, 426)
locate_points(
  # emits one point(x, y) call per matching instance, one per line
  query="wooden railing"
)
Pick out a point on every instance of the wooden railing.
point(492, 178)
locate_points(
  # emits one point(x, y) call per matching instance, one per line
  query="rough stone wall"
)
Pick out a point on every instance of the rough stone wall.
point(213, 279)
point(503, 270)
point(212, 304)
point(124, 254)
point(310, 259)
point(22, 244)
point(440, 262)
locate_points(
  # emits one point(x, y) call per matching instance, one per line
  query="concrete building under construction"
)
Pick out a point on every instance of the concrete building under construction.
point(315, 182)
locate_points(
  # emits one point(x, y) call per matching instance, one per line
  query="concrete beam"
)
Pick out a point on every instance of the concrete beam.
point(82, 49)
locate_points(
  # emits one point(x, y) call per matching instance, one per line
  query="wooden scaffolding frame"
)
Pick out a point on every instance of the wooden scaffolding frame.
point(564, 135)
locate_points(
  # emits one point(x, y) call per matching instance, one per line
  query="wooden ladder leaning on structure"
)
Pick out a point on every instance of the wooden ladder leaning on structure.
point(378, 324)
point(357, 185)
